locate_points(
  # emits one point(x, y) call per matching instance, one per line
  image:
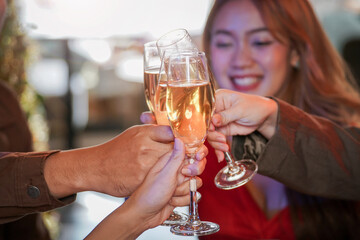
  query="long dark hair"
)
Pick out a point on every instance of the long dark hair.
point(322, 85)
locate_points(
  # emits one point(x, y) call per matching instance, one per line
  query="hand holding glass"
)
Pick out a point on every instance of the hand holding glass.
point(190, 105)
point(235, 173)
point(153, 92)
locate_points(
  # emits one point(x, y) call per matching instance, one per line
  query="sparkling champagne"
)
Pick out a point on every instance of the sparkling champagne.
point(151, 77)
point(160, 104)
point(189, 106)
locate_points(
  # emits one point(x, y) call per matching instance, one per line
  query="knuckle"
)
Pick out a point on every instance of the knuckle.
point(223, 118)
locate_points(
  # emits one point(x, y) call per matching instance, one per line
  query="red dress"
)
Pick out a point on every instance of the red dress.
point(236, 211)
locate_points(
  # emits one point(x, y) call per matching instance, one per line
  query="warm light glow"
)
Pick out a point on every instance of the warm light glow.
point(130, 67)
point(49, 77)
point(98, 18)
point(96, 50)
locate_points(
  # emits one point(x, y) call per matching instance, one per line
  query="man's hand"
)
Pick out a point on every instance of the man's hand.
point(116, 167)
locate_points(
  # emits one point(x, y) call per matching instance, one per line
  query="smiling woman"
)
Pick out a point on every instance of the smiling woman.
point(278, 48)
point(245, 55)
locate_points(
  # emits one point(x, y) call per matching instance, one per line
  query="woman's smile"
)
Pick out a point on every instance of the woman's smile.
point(245, 82)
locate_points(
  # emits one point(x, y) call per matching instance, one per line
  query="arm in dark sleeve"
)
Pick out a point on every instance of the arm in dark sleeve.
point(313, 155)
point(23, 189)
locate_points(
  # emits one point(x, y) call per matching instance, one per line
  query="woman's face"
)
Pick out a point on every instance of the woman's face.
point(245, 56)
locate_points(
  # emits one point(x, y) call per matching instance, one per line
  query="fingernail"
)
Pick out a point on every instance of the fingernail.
point(186, 171)
point(177, 144)
point(170, 131)
point(198, 196)
point(200, 156)
point(218, 157)
point(216, 120)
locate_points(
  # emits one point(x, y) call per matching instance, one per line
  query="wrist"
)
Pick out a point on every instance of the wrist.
point(124, 223)
point(268, 127)
point(135, 223)
point(63, 173)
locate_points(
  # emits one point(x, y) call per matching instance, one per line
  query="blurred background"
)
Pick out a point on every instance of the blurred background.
point(77, 67)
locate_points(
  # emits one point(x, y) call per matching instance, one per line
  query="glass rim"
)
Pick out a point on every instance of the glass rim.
point(182, 56)
point(150, 44)
point(187, 52)
point(172, 42)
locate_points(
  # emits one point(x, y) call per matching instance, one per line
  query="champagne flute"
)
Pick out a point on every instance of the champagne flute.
point(152, 63)
point(173, 41)
point(235, 173)
point(153, 92)
point(154, 73)
point(190, 105)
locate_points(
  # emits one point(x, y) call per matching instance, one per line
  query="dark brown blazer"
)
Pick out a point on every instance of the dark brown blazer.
point(22, 186)
point(309, 154)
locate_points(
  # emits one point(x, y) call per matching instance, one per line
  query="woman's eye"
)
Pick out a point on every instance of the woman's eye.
point(262, 43)
point(223, 45)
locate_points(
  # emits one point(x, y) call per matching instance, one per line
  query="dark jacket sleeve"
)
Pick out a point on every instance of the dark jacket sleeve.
point(22, 185)
point(312, 155)
point(23, 189)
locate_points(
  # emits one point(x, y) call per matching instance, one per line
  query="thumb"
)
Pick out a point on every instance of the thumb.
point(225, 117)
point(147, 118)
point(161, 133)
point(176, 158)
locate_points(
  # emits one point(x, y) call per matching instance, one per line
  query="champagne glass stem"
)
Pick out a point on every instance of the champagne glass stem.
point(194, 218)
point(233, 168)
point(193, 212)
point(194, 226)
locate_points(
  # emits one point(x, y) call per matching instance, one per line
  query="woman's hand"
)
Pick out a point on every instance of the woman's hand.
point(164, 188)
point(240, 114)
point(191, 169)
point(152, 202)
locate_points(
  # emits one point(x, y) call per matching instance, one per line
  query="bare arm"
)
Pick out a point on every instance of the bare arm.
point(36, 182)
point(150, 204)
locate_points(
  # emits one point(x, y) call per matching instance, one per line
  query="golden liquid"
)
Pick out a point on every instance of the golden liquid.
point(155, 95)
point(190, 107)
point(160, 104)
point(151, 77)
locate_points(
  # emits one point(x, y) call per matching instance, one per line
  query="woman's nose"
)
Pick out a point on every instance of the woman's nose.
point(242, 57)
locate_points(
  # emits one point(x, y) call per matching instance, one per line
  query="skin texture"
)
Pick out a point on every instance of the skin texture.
point(116, 167)
point(144, 209)
point(245, 56)
point(235, 116)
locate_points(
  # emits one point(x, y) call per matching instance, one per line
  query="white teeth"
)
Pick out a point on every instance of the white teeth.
point(245, 81)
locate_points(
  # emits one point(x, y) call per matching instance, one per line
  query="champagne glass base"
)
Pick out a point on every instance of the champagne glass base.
point(225, 179)
point(187, 229)
point(175, 218)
